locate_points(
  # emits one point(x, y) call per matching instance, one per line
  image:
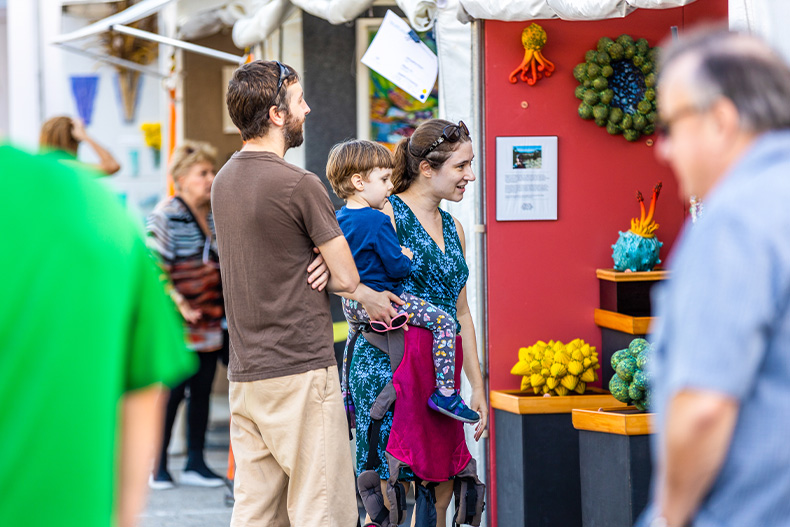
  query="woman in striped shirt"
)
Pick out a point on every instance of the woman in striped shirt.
point(181, 232)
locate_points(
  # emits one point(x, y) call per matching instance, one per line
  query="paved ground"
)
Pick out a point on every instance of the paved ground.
point(193, 506)
point(186, 506)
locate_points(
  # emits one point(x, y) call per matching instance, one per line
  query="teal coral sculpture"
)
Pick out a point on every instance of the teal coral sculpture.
point(637, 249)
point(630, 384)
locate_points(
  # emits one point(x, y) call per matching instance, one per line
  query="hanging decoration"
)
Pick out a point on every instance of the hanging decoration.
point(617, 86)
point(535, 65)
point(637, 249)
point(152, 134)
point(134, 49)
point(83, 88)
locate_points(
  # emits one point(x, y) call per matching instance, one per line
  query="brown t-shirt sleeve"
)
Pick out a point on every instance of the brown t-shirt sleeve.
point(312, 208)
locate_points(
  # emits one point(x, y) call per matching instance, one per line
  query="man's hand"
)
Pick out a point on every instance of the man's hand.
point(407, 252)
point(479, 405)
point(318, 272)
point(378, 305)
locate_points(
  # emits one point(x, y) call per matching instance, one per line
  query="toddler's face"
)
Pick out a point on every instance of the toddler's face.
point(378, 187)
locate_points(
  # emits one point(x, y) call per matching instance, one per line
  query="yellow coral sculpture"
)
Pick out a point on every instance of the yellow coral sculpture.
point(555, 368)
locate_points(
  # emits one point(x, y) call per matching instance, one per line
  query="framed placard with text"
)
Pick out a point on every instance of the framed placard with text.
point(526, 178)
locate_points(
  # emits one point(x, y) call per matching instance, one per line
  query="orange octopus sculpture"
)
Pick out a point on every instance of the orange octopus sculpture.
point(533, 39)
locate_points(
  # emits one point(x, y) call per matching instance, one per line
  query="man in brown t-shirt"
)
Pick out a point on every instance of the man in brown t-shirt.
point(288, 427)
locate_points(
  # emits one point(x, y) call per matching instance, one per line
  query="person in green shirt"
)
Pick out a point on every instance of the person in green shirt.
point(87, 338)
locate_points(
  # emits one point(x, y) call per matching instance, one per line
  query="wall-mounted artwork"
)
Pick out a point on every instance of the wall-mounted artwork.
point(385, 113)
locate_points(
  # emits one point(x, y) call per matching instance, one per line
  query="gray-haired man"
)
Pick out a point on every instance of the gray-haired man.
point(721, 371)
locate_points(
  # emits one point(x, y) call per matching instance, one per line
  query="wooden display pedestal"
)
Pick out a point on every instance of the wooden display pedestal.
point(537, 457)
point(614, 453)
point(627, 293)
point(625, 311)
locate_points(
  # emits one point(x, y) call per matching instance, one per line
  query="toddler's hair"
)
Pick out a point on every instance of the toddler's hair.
point(357, 156)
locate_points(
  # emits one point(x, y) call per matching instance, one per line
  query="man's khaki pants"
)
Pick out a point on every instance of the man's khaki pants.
point(293, 458)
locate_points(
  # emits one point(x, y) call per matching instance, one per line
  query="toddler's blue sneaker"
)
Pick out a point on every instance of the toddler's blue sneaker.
point(452, 406)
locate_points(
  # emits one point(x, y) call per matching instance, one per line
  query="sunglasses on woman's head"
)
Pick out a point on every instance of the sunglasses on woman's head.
point(397, 322)
point(451, 133)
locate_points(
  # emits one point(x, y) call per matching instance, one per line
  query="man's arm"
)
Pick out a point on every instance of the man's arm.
point(699, 428)
point(344, 280)
point(141, 427)
point(343, 275)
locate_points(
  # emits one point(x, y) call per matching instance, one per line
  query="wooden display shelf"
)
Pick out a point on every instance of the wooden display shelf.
point(622, 276)
point(523, 403)
point(623, 323)
point(627, 421)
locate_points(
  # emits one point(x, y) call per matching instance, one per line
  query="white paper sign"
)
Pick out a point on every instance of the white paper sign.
point(394, 55)
point(526, 178)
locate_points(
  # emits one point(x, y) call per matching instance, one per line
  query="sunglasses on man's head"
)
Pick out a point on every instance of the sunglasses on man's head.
point(284, 73)
point(451, 133)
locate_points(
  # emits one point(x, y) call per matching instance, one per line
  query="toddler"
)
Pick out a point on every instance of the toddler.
point(360, 173)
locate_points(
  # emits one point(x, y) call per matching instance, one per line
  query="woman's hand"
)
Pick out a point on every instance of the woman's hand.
point(318, 271)
point(479, 405)
point(189, 314)
point(78, 130)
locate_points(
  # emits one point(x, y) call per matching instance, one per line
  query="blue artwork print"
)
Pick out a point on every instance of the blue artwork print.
point(83, 87)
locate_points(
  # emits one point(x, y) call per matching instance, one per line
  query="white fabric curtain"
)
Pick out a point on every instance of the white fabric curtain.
point(766, 18)
point(261, 19)
point(421, 13)
point(335, 11)
point(521, 10)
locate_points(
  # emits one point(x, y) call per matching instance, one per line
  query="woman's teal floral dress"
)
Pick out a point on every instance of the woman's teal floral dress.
point(436, 277)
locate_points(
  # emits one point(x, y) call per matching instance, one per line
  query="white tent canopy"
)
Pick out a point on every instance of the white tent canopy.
point(517, 10)
point(257, 18)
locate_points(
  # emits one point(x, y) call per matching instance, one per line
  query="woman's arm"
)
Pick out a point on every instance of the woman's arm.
point(107, 163)
point(471, 361)
point(160, 242)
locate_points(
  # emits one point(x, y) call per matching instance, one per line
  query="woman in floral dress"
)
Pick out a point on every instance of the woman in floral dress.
point(433, 165)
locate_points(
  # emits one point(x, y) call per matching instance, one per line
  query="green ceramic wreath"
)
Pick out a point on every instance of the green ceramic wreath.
point(617, 86)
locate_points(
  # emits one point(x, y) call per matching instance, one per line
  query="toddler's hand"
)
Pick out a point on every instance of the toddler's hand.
point(407, 252)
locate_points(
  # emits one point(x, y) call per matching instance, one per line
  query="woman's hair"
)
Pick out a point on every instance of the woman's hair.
point(410, 152)
point(56, 134)
point(252, 92)
point(354, 157)
point(187, 154)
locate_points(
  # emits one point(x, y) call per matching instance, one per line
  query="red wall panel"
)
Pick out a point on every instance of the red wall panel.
point(541, 275)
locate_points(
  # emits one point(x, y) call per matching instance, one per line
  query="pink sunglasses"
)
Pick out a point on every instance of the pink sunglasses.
point(397, 322)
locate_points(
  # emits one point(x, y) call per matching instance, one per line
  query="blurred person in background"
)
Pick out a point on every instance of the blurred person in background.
point(721, 364)
point(87, 337)
point(62, 136)
point(181, 232)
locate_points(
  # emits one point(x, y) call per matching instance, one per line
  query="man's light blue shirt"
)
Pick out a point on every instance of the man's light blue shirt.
point(724, 326)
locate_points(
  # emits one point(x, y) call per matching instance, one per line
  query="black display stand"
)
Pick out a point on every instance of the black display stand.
point(625, 311)
point(537, 457)
point(614, 452)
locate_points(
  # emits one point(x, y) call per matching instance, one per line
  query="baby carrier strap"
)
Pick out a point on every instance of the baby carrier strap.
point(391, 343)
point(469, 494)
point(368, 482)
